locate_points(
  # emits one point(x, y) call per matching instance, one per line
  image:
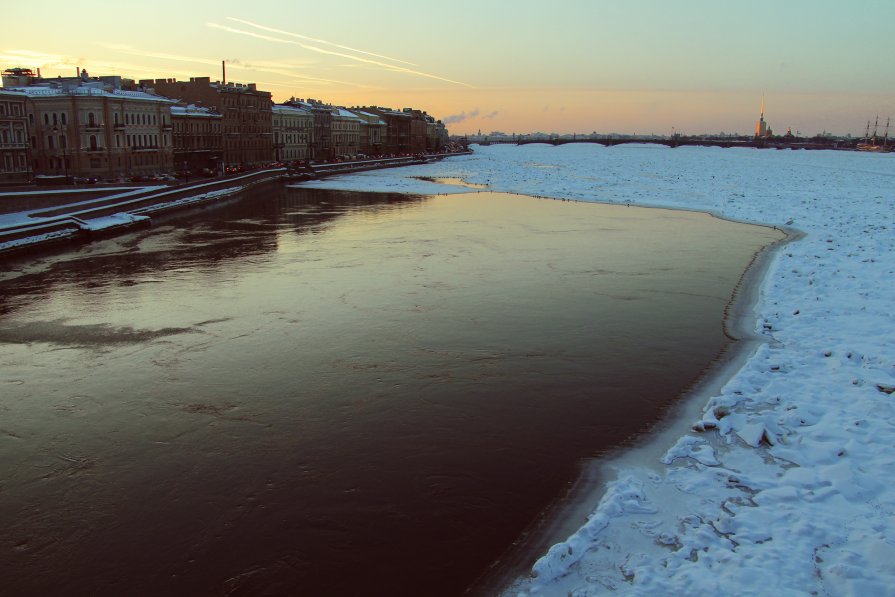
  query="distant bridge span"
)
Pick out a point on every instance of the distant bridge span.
point(610, 141)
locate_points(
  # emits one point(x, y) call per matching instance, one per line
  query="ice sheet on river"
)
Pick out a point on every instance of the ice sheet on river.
point(784, 484)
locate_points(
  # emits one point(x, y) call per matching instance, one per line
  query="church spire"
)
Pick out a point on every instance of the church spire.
point(761, 127)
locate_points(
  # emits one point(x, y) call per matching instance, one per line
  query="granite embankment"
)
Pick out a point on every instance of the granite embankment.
point(37, 219)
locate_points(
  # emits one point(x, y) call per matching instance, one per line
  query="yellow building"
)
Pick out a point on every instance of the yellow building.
point(92, 127)
point(293, 132)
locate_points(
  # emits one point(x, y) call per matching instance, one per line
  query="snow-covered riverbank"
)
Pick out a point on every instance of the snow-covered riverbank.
point(783, 485)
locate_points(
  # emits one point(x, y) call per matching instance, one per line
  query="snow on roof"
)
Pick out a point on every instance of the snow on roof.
point(284, 109)
point(370, 118)
point(343, 113)
point(194, 110)
point(37, 91)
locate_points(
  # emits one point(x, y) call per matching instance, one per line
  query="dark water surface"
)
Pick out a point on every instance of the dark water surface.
point(318, 393)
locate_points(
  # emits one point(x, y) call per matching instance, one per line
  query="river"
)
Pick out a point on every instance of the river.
point(317, 392)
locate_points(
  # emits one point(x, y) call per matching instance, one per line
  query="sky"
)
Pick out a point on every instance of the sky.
point(520, 66)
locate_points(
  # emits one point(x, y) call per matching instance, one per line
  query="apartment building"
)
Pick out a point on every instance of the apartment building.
point(93, 126)
point(293, 132)
point(247, 117)
point(15, 160)
point(198, 139)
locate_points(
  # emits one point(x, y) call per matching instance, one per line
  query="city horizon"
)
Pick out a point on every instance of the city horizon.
point(642, 69)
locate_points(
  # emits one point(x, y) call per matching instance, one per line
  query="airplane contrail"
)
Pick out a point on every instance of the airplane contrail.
point(260, 68)
point(315, 40)
point(392, 67)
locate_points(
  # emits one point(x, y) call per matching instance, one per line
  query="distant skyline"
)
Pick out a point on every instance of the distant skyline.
point(574, 66)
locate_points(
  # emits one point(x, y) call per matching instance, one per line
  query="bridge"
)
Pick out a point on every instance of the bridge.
point(611, 141)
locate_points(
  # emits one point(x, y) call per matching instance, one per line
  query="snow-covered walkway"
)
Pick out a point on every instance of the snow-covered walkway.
point(786, 483)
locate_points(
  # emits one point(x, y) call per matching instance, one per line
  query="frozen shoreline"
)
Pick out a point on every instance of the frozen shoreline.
point(780, 491)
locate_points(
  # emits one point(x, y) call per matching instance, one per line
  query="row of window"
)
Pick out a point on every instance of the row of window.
point(59, 164)
point(241, 101)
point(9, 163)
point(12, 109)
point(138, 141)
point(7, 138)
point(197, 142)
point(92, 121)
point(196, 127)
point(302, 124)
point(246, 144)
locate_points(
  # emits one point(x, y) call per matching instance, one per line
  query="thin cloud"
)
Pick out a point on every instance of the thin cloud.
point(284, 70)
point(391, 67)
point(455, 118)
point(319, 41)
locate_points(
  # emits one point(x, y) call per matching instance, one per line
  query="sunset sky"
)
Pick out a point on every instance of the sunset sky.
point(519, 66)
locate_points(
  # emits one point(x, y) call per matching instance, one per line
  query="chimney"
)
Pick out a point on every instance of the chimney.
point(78, 71)
point(224, 69)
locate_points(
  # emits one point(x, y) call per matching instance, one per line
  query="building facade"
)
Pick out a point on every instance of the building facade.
point(293, 133)
point(247, 117)
point(345, 133)
point(397, 137)
point(15, 159)
point(418, 131)
point(93, 127)
point(198, 139)
point(436, 135)
point(373, 133)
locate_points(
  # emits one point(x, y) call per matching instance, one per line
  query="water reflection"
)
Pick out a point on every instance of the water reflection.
point(322, 393)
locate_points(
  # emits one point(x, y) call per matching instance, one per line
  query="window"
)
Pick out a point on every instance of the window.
point(93, 145)
point(31, 119)
point(55, 119)
point(47, 119)
point(62, 142)
point(64, 119)
point(50, 141)
point(91, 119)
